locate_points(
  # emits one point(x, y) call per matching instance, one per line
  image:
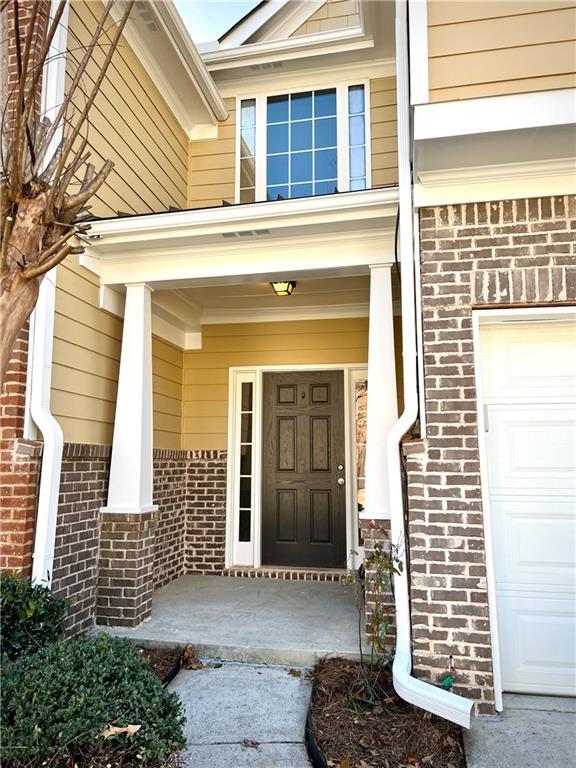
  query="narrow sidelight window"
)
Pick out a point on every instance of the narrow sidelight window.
point(248, 150)
point(357, 136)
point(246, 445)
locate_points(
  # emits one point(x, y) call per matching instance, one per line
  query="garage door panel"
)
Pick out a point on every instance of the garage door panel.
point(529, 390)
point(532, 448)
point(536, 543)
point(538, 638)
point(527, 360)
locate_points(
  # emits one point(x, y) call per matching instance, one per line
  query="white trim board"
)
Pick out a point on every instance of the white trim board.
point(251, 23)
point(267, 52)
point(248, 554)
point(481, 317)
point(291, 19)
point(495, 182)
point(418, 42)
point(495, 113)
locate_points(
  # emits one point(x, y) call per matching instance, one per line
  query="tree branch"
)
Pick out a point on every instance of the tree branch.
point(89, 189)
point(94, 92)
point(46, 266)
point(76, 79)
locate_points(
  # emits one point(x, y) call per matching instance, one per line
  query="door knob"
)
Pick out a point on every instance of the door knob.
point(341, 481)
point(340, 467)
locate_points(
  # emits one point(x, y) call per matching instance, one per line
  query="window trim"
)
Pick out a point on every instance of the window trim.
point(342, 128)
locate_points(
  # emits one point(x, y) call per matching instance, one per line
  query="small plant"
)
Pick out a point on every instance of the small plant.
point(89, 703)
point(31, 616)
point(375, 580)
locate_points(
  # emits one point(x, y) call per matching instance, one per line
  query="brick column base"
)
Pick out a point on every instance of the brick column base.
point(126, 568)
point(374, 533)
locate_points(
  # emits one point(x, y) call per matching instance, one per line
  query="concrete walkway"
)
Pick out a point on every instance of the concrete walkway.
point(254, 620)
point(533, 732)
point(262, 705)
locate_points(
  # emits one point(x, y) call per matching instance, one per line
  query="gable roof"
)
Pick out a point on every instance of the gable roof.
point(269, 20)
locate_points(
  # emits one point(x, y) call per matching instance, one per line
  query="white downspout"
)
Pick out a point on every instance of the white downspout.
point(41, 346)
point(428, 697)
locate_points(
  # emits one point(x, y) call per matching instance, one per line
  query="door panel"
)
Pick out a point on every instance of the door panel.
point(528, 369)
point(303, 505)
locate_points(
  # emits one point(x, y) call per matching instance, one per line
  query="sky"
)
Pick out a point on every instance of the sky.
point(208, 19)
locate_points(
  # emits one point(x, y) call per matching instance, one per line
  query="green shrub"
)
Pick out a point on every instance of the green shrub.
point(31, 616)
point(58, 701)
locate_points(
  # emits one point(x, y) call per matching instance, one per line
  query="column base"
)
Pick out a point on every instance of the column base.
point(126, 566)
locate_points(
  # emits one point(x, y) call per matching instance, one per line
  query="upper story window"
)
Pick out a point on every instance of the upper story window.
point(303, 143)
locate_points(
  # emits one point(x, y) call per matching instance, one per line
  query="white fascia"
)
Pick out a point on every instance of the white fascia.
point(320, 44)
point(40, 351)
point(294, 15)
point(158, 37)
point(251, 23)
point(421, 694)
point(253, 216)
point(495, 113)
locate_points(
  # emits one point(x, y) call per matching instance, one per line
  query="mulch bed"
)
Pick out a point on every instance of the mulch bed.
point(164, 662)
point(388, 733)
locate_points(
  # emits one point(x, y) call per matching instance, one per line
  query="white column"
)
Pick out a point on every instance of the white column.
point(130, 488)
point(382, 403)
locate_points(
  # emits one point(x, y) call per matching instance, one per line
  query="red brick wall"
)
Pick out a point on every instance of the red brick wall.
point(515, 252)
point(19, 471)
point(206, 512)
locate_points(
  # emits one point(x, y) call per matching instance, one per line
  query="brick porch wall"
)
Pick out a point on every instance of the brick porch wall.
point(206, 512)
point(83, 491)
point(510, 253)
point(170, 489)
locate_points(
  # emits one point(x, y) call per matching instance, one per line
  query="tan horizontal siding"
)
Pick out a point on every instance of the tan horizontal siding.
point(87, 347)
point(131, 125)
point(167, 394)
point(487, 49)
point(86, 358)
point(212, 167)
point(384, 131)
point(206, 371)
point(334, 14)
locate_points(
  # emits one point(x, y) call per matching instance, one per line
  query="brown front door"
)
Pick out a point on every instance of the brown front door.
point(303, 504)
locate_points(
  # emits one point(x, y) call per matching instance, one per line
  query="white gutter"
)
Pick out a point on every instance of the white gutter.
point(41, 345)
point(421, 694)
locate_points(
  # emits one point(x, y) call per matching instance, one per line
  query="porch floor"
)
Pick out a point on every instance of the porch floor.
point(257, 620)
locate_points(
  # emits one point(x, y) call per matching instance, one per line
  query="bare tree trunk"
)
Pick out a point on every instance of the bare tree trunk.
point(17, 300)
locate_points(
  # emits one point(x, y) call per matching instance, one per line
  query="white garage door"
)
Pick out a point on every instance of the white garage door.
point(529, 391)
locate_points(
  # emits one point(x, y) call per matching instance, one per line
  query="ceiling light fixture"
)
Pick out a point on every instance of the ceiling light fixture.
point(283, 287)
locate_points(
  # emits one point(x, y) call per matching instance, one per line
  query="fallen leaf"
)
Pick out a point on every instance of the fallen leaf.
point(295, 672)
point(448, 742)
point(250, 743)
point(344, 763)
point(190, 658)
point(114, 730)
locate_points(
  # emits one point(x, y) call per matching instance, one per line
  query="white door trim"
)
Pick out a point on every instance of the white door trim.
point(249, 554)
point(482, 317)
